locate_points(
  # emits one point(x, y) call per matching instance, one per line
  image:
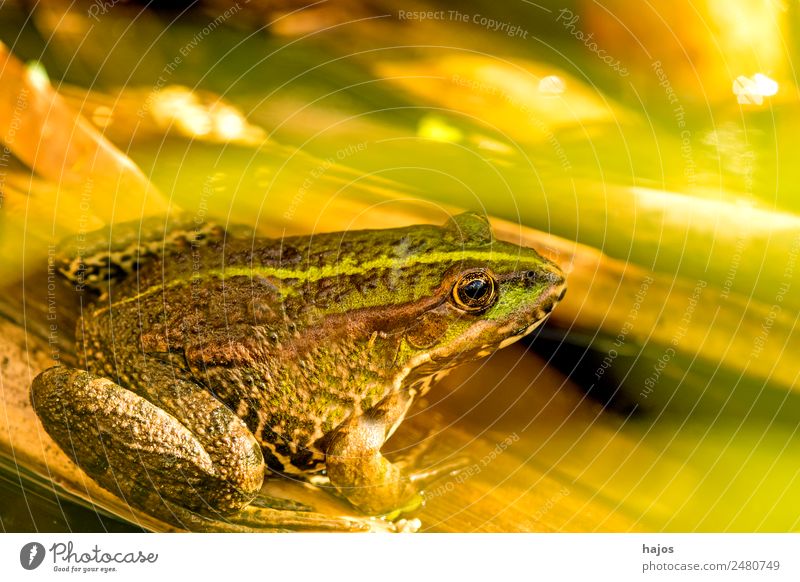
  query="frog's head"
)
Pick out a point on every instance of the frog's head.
point(474, 295)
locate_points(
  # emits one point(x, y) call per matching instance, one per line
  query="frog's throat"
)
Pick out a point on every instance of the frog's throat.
point(514, 338)
point(421, 385)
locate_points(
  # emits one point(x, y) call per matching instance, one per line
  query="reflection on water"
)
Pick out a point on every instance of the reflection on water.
point(29, 508)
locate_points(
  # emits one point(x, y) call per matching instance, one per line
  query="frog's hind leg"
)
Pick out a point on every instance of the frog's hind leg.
point(187, 460)
point(207, 462)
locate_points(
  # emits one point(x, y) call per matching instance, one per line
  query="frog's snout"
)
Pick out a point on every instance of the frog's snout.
point(556, 289)
point(555, 277)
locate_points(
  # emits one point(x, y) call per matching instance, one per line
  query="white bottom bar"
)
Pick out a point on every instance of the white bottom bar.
point(383, 558)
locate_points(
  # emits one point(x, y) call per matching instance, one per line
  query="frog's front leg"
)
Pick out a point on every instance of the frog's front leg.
point(188, 450)
point(358, 470)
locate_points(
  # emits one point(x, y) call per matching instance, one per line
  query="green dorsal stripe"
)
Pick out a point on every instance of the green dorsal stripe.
point(344, 267)
point(350, 267)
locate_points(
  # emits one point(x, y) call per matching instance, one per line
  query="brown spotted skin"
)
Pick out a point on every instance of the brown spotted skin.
point(311, 347)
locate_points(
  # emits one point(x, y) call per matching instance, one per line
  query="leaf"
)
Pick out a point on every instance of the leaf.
point(60, 146)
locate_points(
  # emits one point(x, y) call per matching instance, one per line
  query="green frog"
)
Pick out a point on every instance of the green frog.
point(211, 360)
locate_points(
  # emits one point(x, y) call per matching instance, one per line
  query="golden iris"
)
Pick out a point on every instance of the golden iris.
point(474, 291)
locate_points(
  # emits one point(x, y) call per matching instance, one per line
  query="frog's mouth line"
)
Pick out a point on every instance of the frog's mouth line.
point(519, 334)
point(453, 360)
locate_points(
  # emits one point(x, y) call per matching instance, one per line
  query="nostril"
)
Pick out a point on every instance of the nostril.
point(563, 292)
point(530, 276)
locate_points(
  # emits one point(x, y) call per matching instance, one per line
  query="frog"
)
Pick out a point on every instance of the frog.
point(211, 360)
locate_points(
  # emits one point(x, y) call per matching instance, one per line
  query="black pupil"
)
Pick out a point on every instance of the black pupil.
point(475, 290)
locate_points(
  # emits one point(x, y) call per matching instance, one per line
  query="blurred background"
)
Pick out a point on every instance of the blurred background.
point(649, 148)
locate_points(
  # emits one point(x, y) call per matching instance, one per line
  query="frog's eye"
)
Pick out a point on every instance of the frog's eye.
point(474, 291)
